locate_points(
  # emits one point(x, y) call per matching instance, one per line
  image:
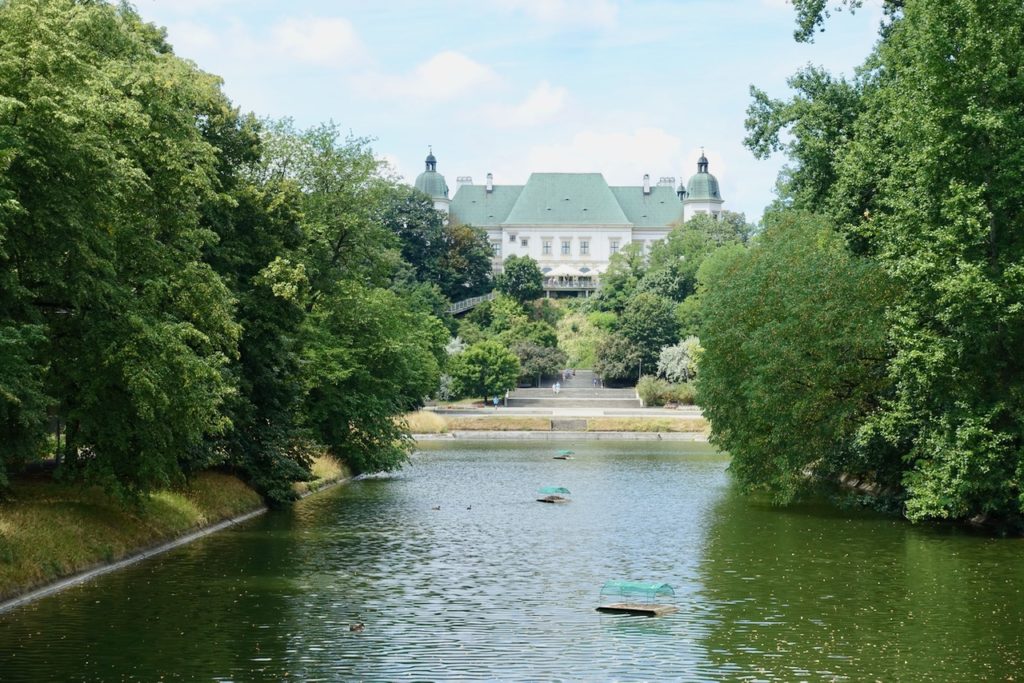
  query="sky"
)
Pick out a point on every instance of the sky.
point(620, 87)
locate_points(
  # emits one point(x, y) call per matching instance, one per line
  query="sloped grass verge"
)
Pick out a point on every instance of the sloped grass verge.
point(50, 530)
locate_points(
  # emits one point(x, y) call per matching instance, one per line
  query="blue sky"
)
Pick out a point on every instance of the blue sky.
point(622, 87)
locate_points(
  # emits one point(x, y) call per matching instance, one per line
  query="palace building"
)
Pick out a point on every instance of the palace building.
point(571, 223)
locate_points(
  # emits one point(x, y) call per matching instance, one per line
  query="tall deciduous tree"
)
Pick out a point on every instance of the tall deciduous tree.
point(520, 279)
point(649, 322)
point(107, 167)
point(918, 164)
point(485, 369)
point(794, 354)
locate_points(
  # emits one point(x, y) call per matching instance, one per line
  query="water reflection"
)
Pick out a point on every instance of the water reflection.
point(495, 585)
point(815, 593)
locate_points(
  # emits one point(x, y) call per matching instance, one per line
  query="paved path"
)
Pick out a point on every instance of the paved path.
point(574, 411)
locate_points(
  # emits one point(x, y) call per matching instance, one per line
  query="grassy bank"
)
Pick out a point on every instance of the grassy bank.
point(427, 422)
point(647, 424)
point(326, 470)
point(50, 530)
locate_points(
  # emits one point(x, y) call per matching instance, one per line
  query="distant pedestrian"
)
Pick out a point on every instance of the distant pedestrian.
point(558, 387)
point(495, 402)
point(594, 382)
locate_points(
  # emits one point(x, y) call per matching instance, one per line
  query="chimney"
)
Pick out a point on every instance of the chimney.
point(647, 183)
point(490, 182)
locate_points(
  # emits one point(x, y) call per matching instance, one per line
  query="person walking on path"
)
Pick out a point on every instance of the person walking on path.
point(495, 401)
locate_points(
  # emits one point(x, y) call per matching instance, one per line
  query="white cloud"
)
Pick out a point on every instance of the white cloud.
point(623, 157)
point(189, 37)
point(567, 13)
point(445, 76)
point(541, 105)
point(324, 41)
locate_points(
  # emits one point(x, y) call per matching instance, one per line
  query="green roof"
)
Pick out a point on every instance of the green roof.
point(566, 198)
point(702, 186)
point(432, 183)
point(658, 209)
point(474, 205)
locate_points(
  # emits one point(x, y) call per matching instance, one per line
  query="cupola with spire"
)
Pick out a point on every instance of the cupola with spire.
point(432, 183)
point(702, 193)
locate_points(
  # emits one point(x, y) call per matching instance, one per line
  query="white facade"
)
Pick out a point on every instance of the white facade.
point(571, 224)
point(694, 207)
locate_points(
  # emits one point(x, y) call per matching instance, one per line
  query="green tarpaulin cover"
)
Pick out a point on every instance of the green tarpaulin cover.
point(637, 588)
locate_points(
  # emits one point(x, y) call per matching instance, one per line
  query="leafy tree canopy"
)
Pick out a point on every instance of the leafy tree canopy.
point(617, 360)
point(536, 361)
point(520, 279)
point(794, 361)
point(649, 323)
point(485, 369)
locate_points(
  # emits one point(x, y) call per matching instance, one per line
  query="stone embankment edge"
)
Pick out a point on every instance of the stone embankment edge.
point(470, 435)
point(89, 574)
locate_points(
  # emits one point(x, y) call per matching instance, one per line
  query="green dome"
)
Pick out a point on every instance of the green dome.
point(702, 186)
point(432, 183)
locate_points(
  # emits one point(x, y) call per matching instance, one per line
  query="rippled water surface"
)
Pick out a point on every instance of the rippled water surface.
point(494, 585)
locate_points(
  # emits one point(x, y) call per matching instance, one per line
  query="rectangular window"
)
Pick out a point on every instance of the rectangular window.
point(547, 247)
point(614, 246)
point(565, 247)
point(524, 242)
point(512, 237)
point(584, 247)
point(497, 248)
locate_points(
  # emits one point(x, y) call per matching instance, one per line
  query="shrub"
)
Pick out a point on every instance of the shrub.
point(655, 391)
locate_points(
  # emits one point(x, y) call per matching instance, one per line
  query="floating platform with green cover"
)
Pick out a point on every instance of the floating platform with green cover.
point(550, 494)
point(632, 597)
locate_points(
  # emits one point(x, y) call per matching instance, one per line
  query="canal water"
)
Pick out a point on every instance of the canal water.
point(493, 585)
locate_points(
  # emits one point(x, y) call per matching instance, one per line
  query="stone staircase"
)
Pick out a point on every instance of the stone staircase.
point(576, 392)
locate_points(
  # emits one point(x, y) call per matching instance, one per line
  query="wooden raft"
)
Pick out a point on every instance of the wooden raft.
point(552, 499)
point(638, 608)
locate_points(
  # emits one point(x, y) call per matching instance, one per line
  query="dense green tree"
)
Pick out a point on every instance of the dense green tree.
point(539, 333)
point(794, 360)
point(258, 224)
point(23, 402)
point(520, 279)
point(649, 323)
point(367, 355)
point(617, 360)
point(536, 361)
point(811, 14)
point(103, 136)
point(811, 128)
point(625, 270)
point(947, 227)
point(485, 369)
point(456, 258)
point(918, 164)
point(465, 268)
point(411, 216)
point(673, 262)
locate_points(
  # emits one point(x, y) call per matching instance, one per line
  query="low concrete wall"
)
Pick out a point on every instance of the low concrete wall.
point(563, 436)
